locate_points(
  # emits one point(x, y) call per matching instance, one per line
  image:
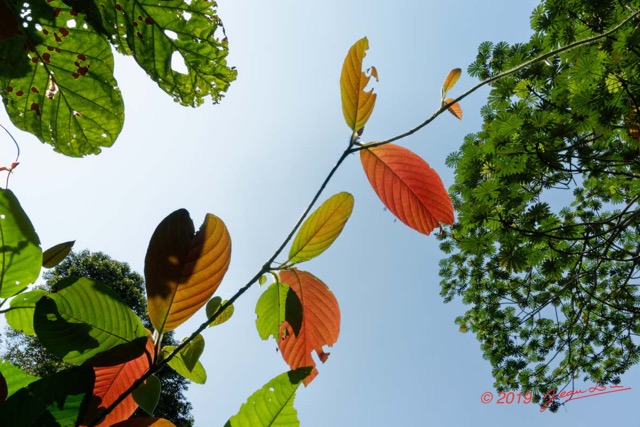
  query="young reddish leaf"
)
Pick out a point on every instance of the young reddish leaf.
point(320, 324)
point(407, 186)
point(454, 108)
point(357, 104)
point(450, 80)
point(111, 382)
point(145, 422)
point(322, 228)
point(183, 270)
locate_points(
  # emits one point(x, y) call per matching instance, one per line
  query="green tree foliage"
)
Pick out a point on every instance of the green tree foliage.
point(26, 351)
point(545, 248)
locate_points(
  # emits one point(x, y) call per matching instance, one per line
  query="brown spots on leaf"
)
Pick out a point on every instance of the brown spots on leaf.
point(73, 12)
point(34, 60)
point(64, 32)
point(148, 20)
point(9, 88)
point(52, 89)
point(83, 70)
point(57, 50)
point(34, 89)
point(75, 75)
point(47, 57)
point(118, 7)
point(135, 24)
point(139, 18)
point(35, 107)
point(57, 37)
point(81, 57)
point(56, 12)
point(45, 31)
point(139, 35)
point(19, 93)
point(50, 48)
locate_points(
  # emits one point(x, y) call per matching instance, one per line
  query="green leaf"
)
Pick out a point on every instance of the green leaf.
point(322, 228)
point(148, 394)
point(272, 405)
point(214, 305)
point(15, 377)
point(57, 81)
point(279, 303)
point(55, 254)
point(186, 362)
point(21, 256)
point(159, 32)
point(55, 400)
point(20, 317)
point(84, 321)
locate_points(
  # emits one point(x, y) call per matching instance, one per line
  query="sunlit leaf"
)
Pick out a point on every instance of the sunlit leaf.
point(320, 322)
point(111, 382)
point(21, 256)
point(407, 186)
point(450, 80)
point(14, 377)
point(357, 104)
point(20, 317)
point(213, 306)
point(186, 364)
point(147, 395)
point(180, 44)
point(454, 108)
point(85, 321)
point(55, 400)
point(145, 422)
point(277, 304)
point(55, 254)
point(183, 268)
point(321, 228)
point(272, 405)
point(56, 79)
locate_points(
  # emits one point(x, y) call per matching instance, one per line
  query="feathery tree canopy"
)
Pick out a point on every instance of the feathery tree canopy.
point(545, 249)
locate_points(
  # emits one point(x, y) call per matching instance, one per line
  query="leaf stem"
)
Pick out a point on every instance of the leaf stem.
point(353, 147)
point(499, 76)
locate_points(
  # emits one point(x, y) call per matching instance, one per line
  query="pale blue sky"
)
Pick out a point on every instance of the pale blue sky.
point(256, 159)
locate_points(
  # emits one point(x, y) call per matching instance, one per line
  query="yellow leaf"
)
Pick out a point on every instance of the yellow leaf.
point(357, 104)
point(454, 108)
point(183, 268)
point(322, 228)
point(451, 80)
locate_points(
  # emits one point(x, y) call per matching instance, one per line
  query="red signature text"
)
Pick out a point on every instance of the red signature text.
point(596, 390)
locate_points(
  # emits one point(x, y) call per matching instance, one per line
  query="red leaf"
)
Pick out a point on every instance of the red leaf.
point(320, 324)
point(111, 382)
point(454, 108)
point(407, 186)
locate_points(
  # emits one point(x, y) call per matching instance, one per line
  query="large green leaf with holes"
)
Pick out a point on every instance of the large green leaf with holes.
point(20, 254)
point(163, 33)
point(272, 405)
point(84, 321)
point(56, 79)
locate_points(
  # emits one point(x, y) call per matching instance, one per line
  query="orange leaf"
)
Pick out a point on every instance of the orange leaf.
point(145, 422)
point(357, 104)
point(454, 108)
point(183, 270)
point(320, 324)
point(111, 382)
point(450, 80)
point(407, 186)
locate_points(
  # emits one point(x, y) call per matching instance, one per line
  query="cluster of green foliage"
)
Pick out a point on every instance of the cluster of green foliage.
point(546, 247)
point(27, 353)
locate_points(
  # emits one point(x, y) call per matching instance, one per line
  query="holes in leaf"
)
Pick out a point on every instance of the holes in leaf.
point(71, 23)
point(186, 15)
point(177, 63)
point(171, 34)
